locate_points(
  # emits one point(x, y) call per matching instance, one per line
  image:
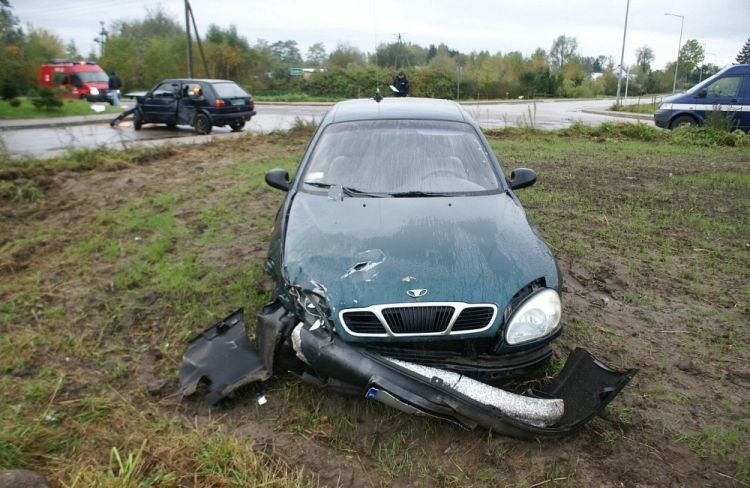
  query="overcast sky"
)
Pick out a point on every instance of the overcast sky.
point(722, 26)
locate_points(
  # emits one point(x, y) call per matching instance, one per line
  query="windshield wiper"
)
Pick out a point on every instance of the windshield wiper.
point(417, 193)
point(346, 190)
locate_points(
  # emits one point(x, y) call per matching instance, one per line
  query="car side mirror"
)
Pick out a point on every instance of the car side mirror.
point(278, 178)
point(701, 93)
point(521, 178)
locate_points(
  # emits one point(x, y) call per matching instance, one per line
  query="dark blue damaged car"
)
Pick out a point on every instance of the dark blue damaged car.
point(406, 271)
point(402, 214)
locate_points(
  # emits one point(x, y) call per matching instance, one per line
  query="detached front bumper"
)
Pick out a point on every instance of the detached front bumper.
point(223, 355)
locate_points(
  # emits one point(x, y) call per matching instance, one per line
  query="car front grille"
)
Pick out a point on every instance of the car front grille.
point(418, 319)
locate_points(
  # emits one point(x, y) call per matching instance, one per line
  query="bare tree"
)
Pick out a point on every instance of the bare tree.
point(644, 57)
point(563, 50)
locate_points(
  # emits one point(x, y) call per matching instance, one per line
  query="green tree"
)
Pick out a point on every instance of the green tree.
point(71, 51)
point(40, 47)
point(344, 55)
point(287, 53)
point(316, 55)
point(691, 55)
point(563, 49)
point(743, 57)
point(228, 55)
point(11, 53)
point(146, 51)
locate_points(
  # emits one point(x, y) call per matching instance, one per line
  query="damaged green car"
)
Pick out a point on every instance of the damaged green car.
point(406, 271)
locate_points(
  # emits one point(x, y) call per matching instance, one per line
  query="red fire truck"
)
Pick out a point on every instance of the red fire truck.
point(76, 79)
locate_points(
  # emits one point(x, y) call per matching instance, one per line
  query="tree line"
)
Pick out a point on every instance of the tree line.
point(148, 50)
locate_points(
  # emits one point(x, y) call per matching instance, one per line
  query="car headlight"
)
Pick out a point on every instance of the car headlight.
point(537, 317)
point(94, 90)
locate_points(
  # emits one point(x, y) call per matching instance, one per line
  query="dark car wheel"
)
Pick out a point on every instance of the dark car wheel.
point(137, 120)
point(237, 125)
point(682, 120)
point(202, 124)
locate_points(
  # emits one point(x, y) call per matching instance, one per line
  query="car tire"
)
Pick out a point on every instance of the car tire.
point(137, 120)
point(682, 120)
point(202, 124)
point(237, 125)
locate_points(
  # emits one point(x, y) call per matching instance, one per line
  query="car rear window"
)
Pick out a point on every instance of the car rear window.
point(229, 90)
point(402, 156)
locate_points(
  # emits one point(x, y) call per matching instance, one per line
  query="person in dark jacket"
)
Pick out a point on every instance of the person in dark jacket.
point(401, 83)
point(114, 88)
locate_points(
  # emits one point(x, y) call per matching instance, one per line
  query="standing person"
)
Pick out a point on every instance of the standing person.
point(114, 88)
point(401, 83)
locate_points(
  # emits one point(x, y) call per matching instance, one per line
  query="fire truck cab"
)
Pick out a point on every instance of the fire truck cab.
point(76, 79)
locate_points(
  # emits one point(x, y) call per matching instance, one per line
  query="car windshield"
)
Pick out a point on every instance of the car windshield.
point(93, 76)
point(229, 90)
point(402, 158)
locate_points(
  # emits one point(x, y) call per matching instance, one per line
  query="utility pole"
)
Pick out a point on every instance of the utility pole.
point(102, 39)
point(189, 42)
point(459, 69)
point(679, 45)
point(622, 54)
point(400, 50)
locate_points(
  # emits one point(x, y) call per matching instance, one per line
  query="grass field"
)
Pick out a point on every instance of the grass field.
point(26, 110)
point(110, 261)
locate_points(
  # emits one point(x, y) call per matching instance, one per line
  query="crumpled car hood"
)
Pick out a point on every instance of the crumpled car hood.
point(366, 251)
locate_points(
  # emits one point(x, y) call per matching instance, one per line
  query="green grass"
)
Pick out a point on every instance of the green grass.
point(26, 110)
point(647, 106)
point(102, 288)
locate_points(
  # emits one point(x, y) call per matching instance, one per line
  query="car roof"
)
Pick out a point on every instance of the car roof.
point(397, 108)
point(196, 80)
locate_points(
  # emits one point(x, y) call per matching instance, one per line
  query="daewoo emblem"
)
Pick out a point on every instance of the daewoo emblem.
point(416, 293)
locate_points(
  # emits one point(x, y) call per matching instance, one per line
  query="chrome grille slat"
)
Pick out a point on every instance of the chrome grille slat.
point(418, 319)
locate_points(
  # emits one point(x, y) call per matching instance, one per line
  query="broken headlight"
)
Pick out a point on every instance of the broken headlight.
point(537, 317)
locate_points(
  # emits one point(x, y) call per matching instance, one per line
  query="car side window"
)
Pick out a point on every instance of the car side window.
point(166, 90)
point(728, 87)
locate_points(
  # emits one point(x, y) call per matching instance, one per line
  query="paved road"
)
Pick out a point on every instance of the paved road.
point(95, 132)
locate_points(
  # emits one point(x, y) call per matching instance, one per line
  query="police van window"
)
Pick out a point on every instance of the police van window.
point(727, 87)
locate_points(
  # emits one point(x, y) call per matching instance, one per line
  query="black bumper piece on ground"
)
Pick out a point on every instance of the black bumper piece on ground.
point(223, 355)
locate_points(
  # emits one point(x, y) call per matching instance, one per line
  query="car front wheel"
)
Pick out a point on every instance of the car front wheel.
point(682, 120)
point(237, 125)
point(137, 120)
point(202, 124)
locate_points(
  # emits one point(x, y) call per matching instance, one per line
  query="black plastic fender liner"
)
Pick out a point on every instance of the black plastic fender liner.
point(223, 355)
point(585, 384)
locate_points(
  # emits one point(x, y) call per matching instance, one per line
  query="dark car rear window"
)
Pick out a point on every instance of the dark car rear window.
point(229, 90)
point(401, 156)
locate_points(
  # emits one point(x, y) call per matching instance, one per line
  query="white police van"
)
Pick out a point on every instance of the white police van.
point(728, 92)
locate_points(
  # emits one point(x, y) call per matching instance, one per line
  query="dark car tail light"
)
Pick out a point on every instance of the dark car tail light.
point(219, 103)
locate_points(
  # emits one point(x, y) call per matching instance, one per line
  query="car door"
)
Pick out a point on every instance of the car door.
point(192, 97)
point(722, 98)
point(744, 113)
point(160, 104)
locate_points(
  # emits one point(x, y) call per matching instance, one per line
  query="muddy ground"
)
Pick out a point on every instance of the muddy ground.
point(94, 323)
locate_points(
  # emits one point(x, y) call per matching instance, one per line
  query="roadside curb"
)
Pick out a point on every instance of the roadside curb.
point(56, 122)
point(623, 115)
point(17, 124)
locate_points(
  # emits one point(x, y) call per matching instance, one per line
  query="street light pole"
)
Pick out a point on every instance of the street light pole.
point(622, 54)
point(459, 68)
point(679, 45)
